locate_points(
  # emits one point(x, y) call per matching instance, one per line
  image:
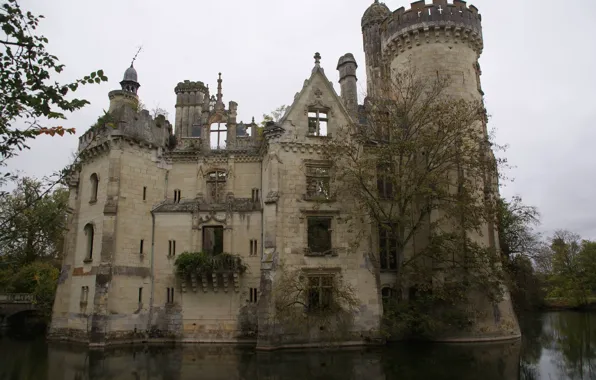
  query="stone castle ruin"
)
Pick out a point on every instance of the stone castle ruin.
point(146, 192)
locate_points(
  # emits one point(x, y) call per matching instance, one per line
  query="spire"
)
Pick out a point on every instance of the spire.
point(219, 100)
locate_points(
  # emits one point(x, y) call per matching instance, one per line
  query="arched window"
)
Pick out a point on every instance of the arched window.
point(89, 235)
point(94, 180)
point(216, 185)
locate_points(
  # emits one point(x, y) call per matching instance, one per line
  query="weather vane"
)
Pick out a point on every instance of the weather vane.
point(136, 55)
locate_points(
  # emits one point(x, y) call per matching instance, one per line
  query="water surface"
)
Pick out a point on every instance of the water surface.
point(555, 346)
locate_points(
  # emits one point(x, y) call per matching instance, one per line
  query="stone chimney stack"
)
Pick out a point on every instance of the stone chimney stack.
point(347, 79)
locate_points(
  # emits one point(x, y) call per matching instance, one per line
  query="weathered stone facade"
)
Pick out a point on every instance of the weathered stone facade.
point(143, 195)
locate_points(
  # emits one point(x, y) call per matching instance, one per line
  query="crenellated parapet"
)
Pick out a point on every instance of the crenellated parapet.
point(439, 22)
point(126, 123)
point(190, 93)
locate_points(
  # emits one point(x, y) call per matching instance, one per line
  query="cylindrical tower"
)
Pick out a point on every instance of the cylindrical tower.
point(128, 94)
point(347, 80)
point(438, 38)
point(374, 16)
point(190, 97)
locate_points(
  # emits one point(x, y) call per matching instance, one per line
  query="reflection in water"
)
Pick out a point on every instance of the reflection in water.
point(560, 345)
point(554, 346)
point(36, 360)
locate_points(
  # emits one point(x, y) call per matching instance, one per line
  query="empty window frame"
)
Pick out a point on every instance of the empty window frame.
point(317, 122)
point(318, 181)
point(319, 234)
point(213, 240)
point(216, 185)
point(177, 195)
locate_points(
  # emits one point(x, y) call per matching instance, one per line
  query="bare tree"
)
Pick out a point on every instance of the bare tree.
point(319, 308)
point(422, 173)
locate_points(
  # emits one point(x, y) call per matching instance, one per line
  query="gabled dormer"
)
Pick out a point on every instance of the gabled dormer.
point(317, 111)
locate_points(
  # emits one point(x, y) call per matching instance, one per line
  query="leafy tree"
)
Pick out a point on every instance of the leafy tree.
point(520, 246)
point(515, 222)
point(39, 279)
point(37, 231)
point(422, 172)
point(275, 115)
point(27, 92)
point(570, 255)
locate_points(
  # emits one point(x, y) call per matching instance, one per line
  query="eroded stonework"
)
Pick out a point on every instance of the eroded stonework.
point(143, 194)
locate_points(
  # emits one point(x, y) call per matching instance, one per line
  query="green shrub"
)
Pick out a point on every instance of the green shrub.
point(201, 262)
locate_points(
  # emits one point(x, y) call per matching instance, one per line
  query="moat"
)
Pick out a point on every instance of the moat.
point(558, 345)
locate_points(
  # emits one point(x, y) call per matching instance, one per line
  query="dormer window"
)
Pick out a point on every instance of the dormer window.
point(317, 122)
point(216, 185)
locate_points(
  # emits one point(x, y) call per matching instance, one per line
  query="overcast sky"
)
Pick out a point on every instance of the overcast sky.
point(538, 65)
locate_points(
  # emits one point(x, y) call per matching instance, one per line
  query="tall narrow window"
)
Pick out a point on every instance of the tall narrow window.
point(213, 240)
point(317, 182)
point(172, 248)
point(320, 292)
point(216, 185)
point(170, 298)
point(140, 295)
point(144, 193)
point(84, 294)
point(177, 195)
point(255, 195)
point(253, 295)
point(384, 181)
point(253, 247)
point(317, 122)
point(94, 182)
point(219, 133)
point(141, 247)
point(89, 235)
point(387, 247)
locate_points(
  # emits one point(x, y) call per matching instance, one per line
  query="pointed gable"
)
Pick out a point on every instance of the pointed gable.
point(317, 110)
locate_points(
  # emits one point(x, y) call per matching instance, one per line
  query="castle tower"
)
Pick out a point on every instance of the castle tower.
point(371, 33)
point(347, 79)
point(128, 93)
point(438, 39)
point(192, 103)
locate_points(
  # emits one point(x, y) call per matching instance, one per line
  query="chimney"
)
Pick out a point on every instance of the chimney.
point(347, 80)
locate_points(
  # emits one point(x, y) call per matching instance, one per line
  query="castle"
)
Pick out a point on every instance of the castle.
point(144, 195)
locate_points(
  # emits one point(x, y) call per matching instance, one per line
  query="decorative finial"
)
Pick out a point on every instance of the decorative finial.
point(376, 1)
point(219, 101)
point(253, 119)
point(317, 58)
point(135, 57)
